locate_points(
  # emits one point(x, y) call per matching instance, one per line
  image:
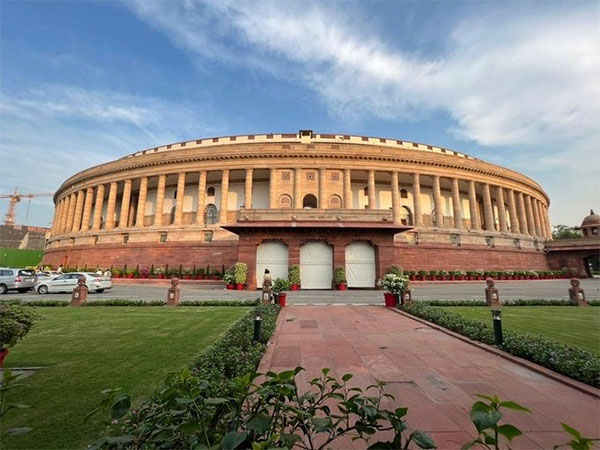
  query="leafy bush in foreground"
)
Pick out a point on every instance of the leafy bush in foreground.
point(15, 323)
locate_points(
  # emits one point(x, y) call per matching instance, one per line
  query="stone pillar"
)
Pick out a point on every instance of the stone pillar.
point(541, 218)
point(98, 207)
point(322, 196)
point(418, 213)
point(536, 217)
point(488, 211)
point(512, 212)
point(396, 199)
point(347, 189)
point(530, 220)
point(437, 202)
point(501, 210)
point(224, 196)
point(371, 190)
point(160, 200)
point(141, 205)
point(272, 190)
point(61, 215)
point(179, 199)
point(71, 212)
point(55, 218)
point(125, 202)
point(78, 212)
point(456, 206)
point(248, 189)
point(87, 209)
point(201, 197)
point(548, 225)
point(112, 203)
point(522, 214)
point(297, 181)
point(473, 209)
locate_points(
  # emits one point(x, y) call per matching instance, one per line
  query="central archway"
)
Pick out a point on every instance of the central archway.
point(360, 265)
point(309, 201)
point(272, 255)
point(316, 265)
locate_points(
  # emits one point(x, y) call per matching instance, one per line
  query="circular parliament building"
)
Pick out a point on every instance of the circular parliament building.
point(320, 201)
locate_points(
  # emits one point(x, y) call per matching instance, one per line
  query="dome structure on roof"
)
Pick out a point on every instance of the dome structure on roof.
point(593, 220)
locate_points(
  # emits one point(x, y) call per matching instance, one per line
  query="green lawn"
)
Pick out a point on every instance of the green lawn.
point(85, 350)
point(567, 324)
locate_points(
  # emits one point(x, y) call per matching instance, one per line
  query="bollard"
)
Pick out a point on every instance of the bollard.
point(257, 327)
point(173, 293)
point(491, 293)
point(80, 293)
point(497, 319)
point(576, 293)
point(406, 297)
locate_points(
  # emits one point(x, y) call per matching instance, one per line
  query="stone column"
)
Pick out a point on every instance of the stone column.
point(179, 199)
point(456, 206)
point(543, 224)
point(473, 209)
point(488, 212)
point(371, 190)
point(248, 189)
point(125, 202)
point(54, 218)
point(530, 220)
point(437, 202)
point(396, 199)
point(112, 203)
point(160, 200)
point(297, 181)
point(201, 197)
point(78, 212)
point(71, 213)
point(547, 219)
point(98, 207)
point(347, 189)
point(225, 195)
point(272, 190)
point(512, 212)
point(141, 205)
point(87, 209)
point(501, 210)
point(524, 229)
point(418, 213)
point(57, 216)
point(536, 217)
point(322, 200)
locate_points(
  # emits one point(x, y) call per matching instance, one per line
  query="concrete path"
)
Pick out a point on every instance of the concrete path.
point(433, 374)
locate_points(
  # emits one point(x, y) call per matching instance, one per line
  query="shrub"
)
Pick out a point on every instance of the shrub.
point(242, 302)
point(453, 302)
point(15, 323)
point(280, 285)
point(393, 283)
point(340, 275)
point(229, 276)
point(294, 274)
point(125, 302)
point(240, 272)
point(396, 270)
point(594, 302)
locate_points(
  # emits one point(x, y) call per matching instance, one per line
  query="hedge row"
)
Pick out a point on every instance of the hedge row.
point(517, 302)
point(130, 302)
point(564, 359)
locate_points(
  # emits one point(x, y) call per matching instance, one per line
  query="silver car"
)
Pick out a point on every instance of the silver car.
point(21, 280)
point(68, 281)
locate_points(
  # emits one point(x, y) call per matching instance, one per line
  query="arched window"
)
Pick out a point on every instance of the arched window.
point(210, 191)
point(403, 193)
point(309, 201)
point(285, 201)
point(335, 202)
point(210, 214)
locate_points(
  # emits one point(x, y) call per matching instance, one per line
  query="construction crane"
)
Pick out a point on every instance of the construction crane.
point(15, 198)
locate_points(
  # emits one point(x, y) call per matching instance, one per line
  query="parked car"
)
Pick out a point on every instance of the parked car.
point(68, 281)
point(21, 280)
point(43, 276)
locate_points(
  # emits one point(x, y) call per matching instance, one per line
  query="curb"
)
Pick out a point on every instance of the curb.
point(581, 387)
point(265, 361)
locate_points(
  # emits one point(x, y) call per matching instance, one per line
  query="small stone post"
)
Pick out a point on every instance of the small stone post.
point(491, 293)
point(576, 294)
point(80, 293)
point(406, 296)
point(173, 293)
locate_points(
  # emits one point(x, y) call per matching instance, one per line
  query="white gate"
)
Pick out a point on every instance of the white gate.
point(360, 265)
point(271, 255)
point(316, 266)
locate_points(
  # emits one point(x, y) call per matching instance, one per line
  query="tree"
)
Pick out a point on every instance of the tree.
point(565, 232)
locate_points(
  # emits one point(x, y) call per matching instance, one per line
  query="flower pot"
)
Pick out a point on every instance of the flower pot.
point(391, 300)
point(187, 277)
point(161, 276)
point(412, 277)
point(342, 286)
point(3, 354)
point(281, 298)
point(239, 286)
point(295, 287)
point(230, 286)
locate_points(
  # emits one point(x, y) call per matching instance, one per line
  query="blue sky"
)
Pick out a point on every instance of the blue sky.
point(514, 83)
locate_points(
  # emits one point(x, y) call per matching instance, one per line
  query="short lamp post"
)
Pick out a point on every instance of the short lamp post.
point(257, 327)
point(497, 319)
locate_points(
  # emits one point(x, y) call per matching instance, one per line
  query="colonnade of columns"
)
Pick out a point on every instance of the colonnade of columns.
point(526, 214)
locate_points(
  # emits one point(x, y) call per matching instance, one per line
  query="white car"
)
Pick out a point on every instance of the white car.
point(68, 281)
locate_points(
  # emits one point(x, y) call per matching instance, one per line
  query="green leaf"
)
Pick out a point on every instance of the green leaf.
point(260, 423)
point(401, 412)
point(18, 431)
point(215, 401)
point(191, 427)
point(422, 439)
point(321, 424)
point(286, 375)
point(487, 397)
point(233, 439)
point(509, 431)
point(290, 439)
point(120, 407)
point(570, 430)
point(480, 406)
point(483, 419)
point(125, 439)
point(515, 406)
point(347, 377)
point(89, 415)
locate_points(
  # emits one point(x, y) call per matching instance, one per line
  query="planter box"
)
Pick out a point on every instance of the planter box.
point(342, 286)
point(239, 286)
point(391, 300)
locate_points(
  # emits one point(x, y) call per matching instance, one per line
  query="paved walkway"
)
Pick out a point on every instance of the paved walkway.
point(433, 374)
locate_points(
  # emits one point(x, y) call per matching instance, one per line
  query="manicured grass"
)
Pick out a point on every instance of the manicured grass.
point(572, 325)
point(86, 350)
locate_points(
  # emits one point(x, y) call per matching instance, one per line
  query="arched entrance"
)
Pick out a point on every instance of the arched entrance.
point(360, 265)
point(272, 255)
point(309, 201)
point(316, 265)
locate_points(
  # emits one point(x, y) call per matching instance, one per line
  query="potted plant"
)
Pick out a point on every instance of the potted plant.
point(509, 274)
point(433, 275)
point(144, 273)
point(393, 285)
point(340, 278)
point(200, 274)
point(160, 272)
point(443, 274)
point(117, 273)
point(229, 278)
point(422, 275)
point(215, 274)
point(411, 275)
point(396, 270)
point(240, 272)
point(279, 287)
point(479, 274)
point(15, 323)
point(294, 277)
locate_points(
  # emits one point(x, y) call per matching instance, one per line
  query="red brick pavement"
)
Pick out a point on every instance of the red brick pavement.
point(433, 374)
